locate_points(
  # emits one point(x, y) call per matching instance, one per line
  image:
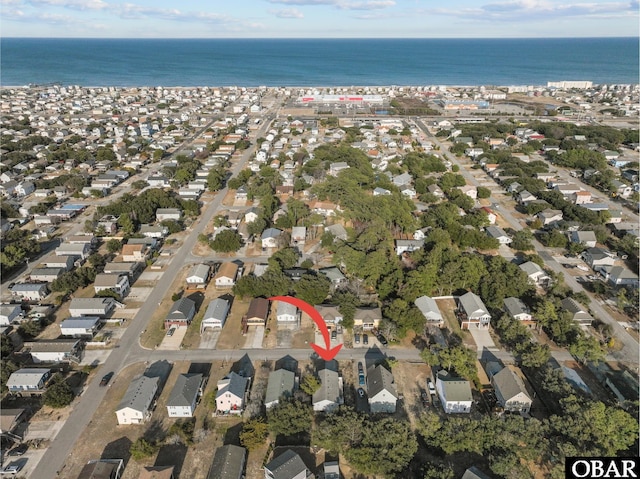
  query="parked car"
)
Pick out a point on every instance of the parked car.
point(19, 450)
point(13, 468)
point(382, 340)
point(106, 378)
point(360, 368)
point(365, 339)
point(361, 392)
point(361, 379)
point(334, 334)
point(171, 331)
point(356, 338)
point(432, 389)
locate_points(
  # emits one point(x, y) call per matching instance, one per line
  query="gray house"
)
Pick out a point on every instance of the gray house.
point(472, 311)
point(30, 291)
point(135, 404)
point(578, 312)
point(92, 306)
point(511, 392)
point(281, 384)
point(329, 396)
point(228, 463)
point(288, 465)
point(184, 396)
point(381, 390)
point(181, 313)
point(429, 309)
point(215, 315)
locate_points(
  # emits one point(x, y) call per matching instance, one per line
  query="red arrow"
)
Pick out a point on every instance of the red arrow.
point(326, 353)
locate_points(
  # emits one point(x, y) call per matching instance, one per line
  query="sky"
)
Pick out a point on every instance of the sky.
point(319, 18)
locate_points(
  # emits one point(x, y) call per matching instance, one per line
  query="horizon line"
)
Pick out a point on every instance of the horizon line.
point(317, 38)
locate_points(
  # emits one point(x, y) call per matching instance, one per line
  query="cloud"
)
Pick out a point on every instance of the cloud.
point(49, 18)
point(71, 4)
point(287, 13)
point(341, 4)
point(523, 10)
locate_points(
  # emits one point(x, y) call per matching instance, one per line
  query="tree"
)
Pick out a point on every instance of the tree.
point(113, 245)
point(387, 446)
point(226, 241)
point(58, 394)
point(254, 433)
point(142, 449)
point(310, 384)
point(339, 431)
point(184, 430)
point(522, 240)
point(285, 258)
point(484, 192)
point(215, 178)
point(312, 288)
point(459, 359)
point(288, 418)
point(139, 185)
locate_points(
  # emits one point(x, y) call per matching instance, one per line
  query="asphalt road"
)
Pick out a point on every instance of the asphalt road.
point(128, 347)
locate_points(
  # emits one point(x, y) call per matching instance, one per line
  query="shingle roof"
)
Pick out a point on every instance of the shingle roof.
point(429, 308)
point(378, 380)
point(228, 462)
point(286, 465)
point(472, 304)
point(508, 384)
point(233, 383)
point(186, 390)
point(329, 387)
point(138, 393)
point(281, 383)
point(217, 309)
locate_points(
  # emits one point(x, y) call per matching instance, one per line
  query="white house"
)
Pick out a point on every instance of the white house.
point(516, 309)
point(429, 309)
point(80, 327)
point(118, 283)
point(55, 350)
point(498, 233)
point(454, 393)
point(535, 273)
point(588, 238)
point(74, 249)
point(92, 306)
point(270, 237)
point(329, 396)
point(407, 246)
point(287, 313)
point(619, 276)
point(280, 385)
point(381, 390)
point(298, 235)
point(28, 380)
point(30, 291)
point(135, 404)
point(168, 214)
point(232, 390)
point(10, 313)
point(215, 315)
point(473, 311)
point(184, 395)
point(198, 275)
point(226, 275)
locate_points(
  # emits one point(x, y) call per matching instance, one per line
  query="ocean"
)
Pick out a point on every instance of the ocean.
point(324, 62)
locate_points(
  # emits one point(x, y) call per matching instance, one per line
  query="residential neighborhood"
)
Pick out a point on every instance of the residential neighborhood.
point(475, 269)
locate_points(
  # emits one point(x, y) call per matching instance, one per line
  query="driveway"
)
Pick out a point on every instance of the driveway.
point(483, 340)
point(209, 338)
point(173, 342)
